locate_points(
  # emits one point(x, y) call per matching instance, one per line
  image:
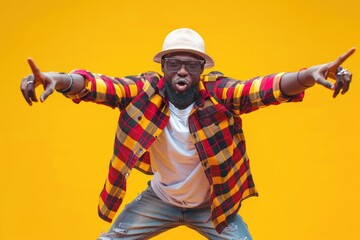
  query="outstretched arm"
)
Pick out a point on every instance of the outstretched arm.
point(294, 83)
point(51, 81)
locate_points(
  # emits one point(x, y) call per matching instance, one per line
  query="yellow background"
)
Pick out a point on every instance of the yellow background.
point(54, 155)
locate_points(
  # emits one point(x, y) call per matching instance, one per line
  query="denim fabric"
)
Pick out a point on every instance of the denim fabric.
point(148, 216)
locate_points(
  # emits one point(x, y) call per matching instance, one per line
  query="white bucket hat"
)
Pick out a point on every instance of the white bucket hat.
point(184, 40)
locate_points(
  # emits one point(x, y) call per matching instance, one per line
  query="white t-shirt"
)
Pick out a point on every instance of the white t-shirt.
point(179, 178)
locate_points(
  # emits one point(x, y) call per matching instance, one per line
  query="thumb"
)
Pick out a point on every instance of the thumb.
point(322, 81)
point(49, 89)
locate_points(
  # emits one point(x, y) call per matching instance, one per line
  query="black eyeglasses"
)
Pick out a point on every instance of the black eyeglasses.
point(191, 66)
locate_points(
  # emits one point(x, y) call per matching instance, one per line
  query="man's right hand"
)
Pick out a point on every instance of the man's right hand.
point(50, 81)
point(29, 83)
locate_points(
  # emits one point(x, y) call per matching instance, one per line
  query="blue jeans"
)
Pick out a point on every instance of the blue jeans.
point(148, 216)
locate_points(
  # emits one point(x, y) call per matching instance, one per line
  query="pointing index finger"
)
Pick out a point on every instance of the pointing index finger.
point(35, 70)
point(344, 56)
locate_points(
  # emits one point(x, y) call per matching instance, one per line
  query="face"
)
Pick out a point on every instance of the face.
point(187, 75)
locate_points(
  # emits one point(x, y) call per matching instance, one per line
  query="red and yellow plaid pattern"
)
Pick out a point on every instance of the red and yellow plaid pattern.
point(215, 126)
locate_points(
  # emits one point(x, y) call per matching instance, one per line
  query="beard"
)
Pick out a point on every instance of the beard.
point(181, 100)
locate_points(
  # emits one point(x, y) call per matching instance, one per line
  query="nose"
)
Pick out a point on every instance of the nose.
point(182, 71)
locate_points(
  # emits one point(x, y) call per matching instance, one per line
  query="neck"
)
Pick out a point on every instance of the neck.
point(183, 99)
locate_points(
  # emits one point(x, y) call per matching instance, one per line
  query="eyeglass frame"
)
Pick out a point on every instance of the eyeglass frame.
point(202, 62)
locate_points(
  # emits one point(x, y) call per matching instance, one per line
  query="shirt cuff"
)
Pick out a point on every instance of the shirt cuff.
point(89, 80)
point(279, 96)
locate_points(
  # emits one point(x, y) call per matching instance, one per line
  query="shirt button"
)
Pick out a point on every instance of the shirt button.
point(139, 118)
point(140, 151)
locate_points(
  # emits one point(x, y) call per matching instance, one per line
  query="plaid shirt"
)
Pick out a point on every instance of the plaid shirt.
point(215, 128)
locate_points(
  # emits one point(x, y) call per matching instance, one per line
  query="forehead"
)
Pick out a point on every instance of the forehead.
point(183, 56)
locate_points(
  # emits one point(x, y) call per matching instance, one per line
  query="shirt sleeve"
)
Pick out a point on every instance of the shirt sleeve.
point(247, 96)
point(110, 91)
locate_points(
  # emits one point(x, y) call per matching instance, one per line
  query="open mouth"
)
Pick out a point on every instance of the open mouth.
point(181, 84)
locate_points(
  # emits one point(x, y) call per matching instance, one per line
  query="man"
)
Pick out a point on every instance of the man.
point(185, 129)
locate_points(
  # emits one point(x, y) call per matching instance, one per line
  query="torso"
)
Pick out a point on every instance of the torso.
point(179, 178)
